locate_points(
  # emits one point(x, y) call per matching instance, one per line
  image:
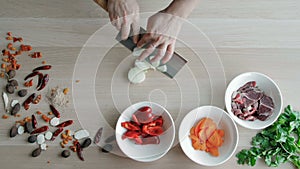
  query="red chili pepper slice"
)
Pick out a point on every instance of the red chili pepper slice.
point(157, 122)
point(130, 126)
point(56, 133)
point(54, 111)
point(131, 135)
point(65, 124)
point(40, 130)
point(44, 82)
point(45, 67)
point(34, 122)
point(153, 131)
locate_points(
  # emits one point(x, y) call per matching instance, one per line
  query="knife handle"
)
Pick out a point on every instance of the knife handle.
point(102, 3)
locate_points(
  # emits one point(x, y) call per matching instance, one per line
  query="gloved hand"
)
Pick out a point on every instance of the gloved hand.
point(124, 15)
point(162, 31)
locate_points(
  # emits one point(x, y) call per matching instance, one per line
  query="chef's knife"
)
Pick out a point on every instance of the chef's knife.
point(173, 66)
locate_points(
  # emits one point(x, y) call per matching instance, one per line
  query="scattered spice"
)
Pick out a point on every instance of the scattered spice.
point(46, 118)
point(37, 99)
point(66, 91)
point(36, 55)
point(28, 83)
point(50, 113)
point(3, 65)
point(73, 148)
point(25, 47)
point(62, 145)
point(9, 46)
point(57, 98)
point(5, 116)
point(9, 38)
point(39, 113)
point(17, 39)
point(2, 74)
point(44, 62)
point(9, 34)
point(77, 81)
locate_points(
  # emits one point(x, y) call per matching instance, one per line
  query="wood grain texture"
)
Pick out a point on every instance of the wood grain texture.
point(258, 35)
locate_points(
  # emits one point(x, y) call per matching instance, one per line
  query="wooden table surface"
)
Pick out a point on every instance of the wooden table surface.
point(257, 35)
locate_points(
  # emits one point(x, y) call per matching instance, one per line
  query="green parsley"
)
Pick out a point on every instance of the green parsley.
point(277, 143)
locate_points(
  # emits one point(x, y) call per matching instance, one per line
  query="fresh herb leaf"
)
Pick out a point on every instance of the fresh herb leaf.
point(277, 143)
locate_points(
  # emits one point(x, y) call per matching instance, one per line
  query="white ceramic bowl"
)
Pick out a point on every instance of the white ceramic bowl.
point(223, 121)
point(151, 152)
point(265, 84)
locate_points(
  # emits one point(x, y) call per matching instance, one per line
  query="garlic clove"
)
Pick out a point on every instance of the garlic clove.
point(143, 65)
point(162, 68)
point(137, 51)
point(136, 75)
point(154, 64)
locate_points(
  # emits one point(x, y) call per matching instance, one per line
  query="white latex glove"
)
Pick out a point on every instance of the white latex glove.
point(124, 15)
point(162, 31)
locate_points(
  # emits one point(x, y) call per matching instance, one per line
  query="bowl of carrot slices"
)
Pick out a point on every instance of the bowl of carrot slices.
point(208, 136)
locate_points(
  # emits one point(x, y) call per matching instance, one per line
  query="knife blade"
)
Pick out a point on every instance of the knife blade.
point(174, 65)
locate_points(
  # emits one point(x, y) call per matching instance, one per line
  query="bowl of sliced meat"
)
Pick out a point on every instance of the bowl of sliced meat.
point(253, 100)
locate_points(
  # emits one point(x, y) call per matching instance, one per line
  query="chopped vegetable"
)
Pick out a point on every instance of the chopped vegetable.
point(144, 128)
point(206, 137)
point(277, 143)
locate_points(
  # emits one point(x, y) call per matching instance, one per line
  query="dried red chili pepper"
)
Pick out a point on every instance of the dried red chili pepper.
point(56, 133)
point(44, 82)
point(28, 101)
point(40, 80)
point(45, 67)
point(9, 34)
point(54, 111)
point(79, 151)
point(40, 130)
point(65, 123)
point(31, 75)
point(34, 122)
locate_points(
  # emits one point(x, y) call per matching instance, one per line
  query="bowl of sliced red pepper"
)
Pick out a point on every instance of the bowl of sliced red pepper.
point(145, 131)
